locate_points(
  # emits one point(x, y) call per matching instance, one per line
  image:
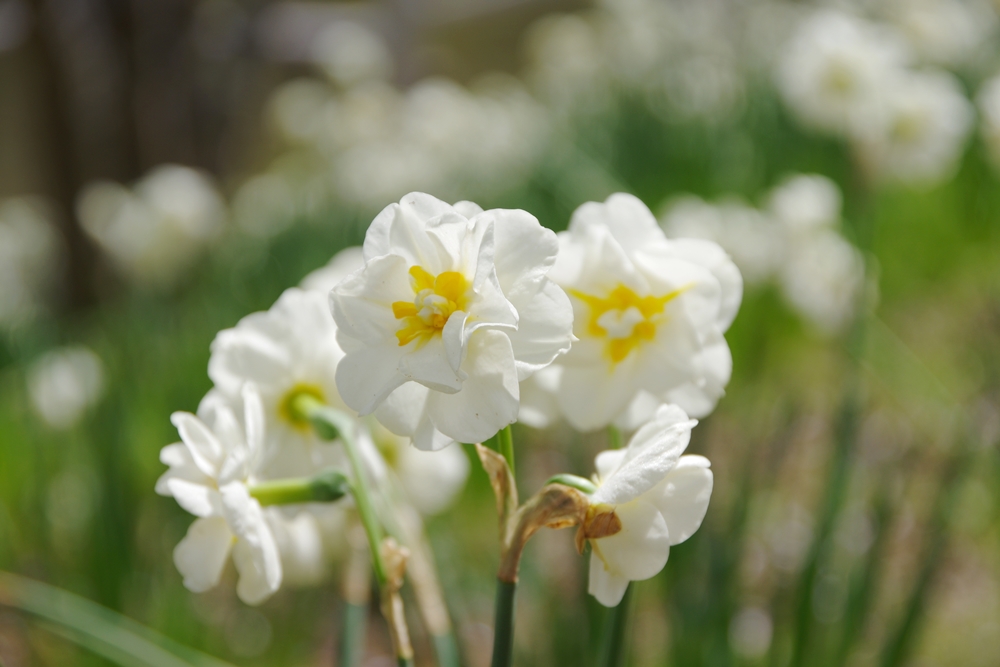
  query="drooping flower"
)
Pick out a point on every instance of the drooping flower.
point(452, 308)
point(650, 314)
point(656, 497)
point(210, 471)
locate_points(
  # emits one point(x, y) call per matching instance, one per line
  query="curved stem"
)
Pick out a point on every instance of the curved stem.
point(331, 424)
point(503, 630)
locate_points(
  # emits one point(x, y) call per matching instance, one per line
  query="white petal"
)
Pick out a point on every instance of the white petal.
point(488, 400)
point(402, 409)
point(711, 256)
point(429, 363)
point(628, 219)
point(427, 437)
point(255, 553)
point(544, 327)
point(640, 550)
point(682, 497)
point(195, 498)
point(651, 453)
point(609, 589)
point(402, 229)
point(714, 366)
point(253, 416)
point(525, 252)
point(453, 338)
point(362, 302)
point(432, 479)
point(205, 448)
point(343, 264)
point(593, 396)
point(538, 407)
point(365, 377)
point(468, 208)
point(202, 554)
point(250, 351)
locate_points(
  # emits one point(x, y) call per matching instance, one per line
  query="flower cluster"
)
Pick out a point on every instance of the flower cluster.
point(851, 77)
point(433, 328)
point(154, 230)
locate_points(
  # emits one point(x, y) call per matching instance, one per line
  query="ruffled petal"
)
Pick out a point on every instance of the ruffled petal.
point(525, 252)
point(488, 400)
point(651, 453)
point(198, 499)
point(365, 377)
point(544, 327)
point(205, 448)
point(201, 555)
point(682, 497)
point(629, 220)
point(255, 553)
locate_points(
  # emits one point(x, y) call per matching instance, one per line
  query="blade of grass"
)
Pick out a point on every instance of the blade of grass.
point(898, 648)
point(97, 628)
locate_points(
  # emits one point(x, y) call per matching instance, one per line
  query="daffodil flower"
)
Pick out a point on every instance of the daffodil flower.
point(651, 497)
point(210, 470)
point(450, 311)
point(285, 352)
point(650, 314)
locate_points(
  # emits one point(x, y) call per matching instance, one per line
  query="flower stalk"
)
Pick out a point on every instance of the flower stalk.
point(388, 557)
point(555, 506)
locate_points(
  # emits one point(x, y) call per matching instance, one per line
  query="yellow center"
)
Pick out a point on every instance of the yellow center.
point(436, 298)
point(288, 410)
point(624, 318)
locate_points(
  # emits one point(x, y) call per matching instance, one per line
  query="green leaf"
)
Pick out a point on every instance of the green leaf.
point(105, 632)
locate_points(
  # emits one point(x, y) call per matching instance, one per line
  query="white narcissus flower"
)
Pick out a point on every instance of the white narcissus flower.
point(209, 474)
point(63, 383)
point(659, 497)
point(918, 127)
point(451, 310)
point(286, 351)
point(833, 66)
point(650, 314)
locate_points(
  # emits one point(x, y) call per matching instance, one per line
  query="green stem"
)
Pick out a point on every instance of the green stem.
point(354, 632)
point(503, 624)
point(446, 649)
point(331, 424)
point(404, 662)
point(615, 437)
point(506, 446)
point(614, 643)
point(327, 486)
